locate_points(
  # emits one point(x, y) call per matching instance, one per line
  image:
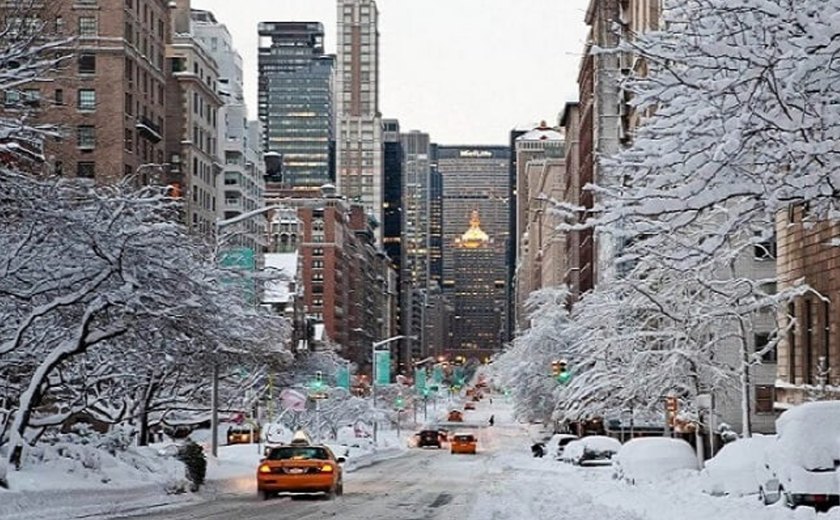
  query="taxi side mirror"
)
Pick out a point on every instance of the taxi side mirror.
point(340, 460)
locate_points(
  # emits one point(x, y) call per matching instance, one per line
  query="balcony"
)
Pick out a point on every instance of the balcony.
point(148, 129)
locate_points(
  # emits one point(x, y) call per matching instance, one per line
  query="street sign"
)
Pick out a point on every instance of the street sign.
point(419, 380)
point(342, 378)
point(437, 374)
point(382, 362)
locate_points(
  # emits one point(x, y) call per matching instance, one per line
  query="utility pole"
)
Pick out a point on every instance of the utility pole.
point(214, 412)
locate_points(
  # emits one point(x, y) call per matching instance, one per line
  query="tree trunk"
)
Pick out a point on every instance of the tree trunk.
point(30, 398)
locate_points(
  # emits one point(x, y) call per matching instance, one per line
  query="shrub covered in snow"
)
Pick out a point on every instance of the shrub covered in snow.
point(192, 455)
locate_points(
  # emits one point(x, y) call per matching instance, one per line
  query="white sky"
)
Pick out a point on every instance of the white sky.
point(465, 71)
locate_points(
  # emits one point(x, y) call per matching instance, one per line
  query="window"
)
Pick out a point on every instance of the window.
point(317, 251)
point(129, 140)
point(32, 97)
point(85, 170)
point(87, 26)
point(86, 136)
point(59, 97)
point(765, 395)
point(761, 340)
point(765, 250)
point(87, 99)
point(87, 64)
point(792, 344)
point(11, 98)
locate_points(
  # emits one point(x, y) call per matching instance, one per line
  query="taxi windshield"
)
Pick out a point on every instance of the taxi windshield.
point(298, 453)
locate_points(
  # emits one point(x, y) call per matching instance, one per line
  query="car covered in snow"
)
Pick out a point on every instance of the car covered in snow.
point(734, 470)
point(593, 449)
point(651, 459)
point(801, 465)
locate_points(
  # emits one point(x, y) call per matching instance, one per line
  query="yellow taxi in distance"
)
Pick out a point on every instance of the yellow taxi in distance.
point(463, 443)
point(300, 468)
point(455, 416)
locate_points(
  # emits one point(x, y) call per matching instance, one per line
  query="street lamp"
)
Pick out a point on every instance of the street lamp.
point(214, 392)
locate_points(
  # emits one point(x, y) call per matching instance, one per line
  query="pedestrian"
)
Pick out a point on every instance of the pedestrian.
point(491, 400)
point(492, 420)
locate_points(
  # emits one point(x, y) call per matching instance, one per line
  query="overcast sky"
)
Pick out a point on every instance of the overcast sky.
point(465, 71)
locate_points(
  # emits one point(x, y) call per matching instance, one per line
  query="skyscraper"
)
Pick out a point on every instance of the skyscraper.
point(359, 129)
point(296, 101)
point(475, 179)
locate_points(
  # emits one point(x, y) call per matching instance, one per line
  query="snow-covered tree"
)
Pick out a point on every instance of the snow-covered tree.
point(525, 368)
point(744, 121)
point(107, 305)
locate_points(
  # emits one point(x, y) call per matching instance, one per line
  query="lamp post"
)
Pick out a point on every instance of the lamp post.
point(373, 374)
point(214, 392)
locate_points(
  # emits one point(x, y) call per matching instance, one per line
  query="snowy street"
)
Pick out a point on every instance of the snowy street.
point(502, 482)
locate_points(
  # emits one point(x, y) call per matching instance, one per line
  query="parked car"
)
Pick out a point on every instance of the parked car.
point(801, 465)
point(734, 470)
point(558, 442)
point(649, 459)
point(594, 449)
point(469, 405)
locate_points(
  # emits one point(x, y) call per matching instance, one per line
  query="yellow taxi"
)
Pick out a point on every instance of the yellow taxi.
point(463, 443)
point(455, 416)
point(300, 468)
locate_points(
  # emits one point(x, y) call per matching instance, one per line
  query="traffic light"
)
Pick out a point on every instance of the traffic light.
point(560, 371)
point(318, 382)
point(399, 403)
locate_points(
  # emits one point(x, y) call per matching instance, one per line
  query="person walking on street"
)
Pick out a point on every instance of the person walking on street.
point(492, 420)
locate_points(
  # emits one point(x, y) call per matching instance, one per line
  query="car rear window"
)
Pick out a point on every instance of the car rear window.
point(298, 453)
point(464, 438)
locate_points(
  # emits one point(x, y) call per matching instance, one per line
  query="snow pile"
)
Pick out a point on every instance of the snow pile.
point(654, 458)
point(809, 434)
point(733, 470)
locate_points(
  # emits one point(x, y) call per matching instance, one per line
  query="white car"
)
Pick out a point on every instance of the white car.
point(649, 459)
point(801, 466)
point(733, 471)
point(592, 449)
point(558, 442)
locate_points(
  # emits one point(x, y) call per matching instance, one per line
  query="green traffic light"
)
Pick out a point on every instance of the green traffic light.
point(564, 377)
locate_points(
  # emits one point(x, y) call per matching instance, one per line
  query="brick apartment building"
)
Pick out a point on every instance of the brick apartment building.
point(349, 284)
point(108, 97)
point(810, 352)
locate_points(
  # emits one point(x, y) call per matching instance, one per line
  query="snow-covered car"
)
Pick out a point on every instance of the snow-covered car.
point(801, 466)
point(650, 459)
point(733, 471)
point(592, 449)
point(558, 442)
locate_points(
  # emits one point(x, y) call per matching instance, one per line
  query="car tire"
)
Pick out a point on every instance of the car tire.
point(339, 488)
point(789, 503)
point(263, 495)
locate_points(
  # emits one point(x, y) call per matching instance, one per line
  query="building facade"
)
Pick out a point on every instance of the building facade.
point(359, 150)
point(192, 121)
point(533, 199)
point(477, 294)
point(474, 178)
point(108, 99)
point(295, 97)
point(810, 351)
point(242, 185)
